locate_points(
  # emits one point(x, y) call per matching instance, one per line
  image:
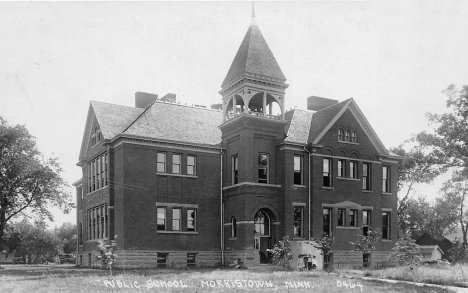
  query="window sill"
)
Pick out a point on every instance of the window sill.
point(254, 184)
point(386, 240)
point(233, 238)
point(97, 239)
point(298, 186)
point(387, 193)
point(350, 179)
point(178, 232)
point(347, 228)
point(298, 238)
point(327, 187)
point(176, 175)
point(348, 142)
point(367, 191)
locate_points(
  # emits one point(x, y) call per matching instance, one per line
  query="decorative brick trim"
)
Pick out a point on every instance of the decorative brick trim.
point(233, 139)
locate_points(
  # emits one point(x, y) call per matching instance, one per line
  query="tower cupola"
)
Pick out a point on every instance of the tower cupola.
point(255, 83)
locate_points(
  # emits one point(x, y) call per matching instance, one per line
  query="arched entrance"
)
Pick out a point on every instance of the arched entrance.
point(263, 234)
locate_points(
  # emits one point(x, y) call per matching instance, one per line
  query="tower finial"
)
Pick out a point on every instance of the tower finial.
point(253, 14)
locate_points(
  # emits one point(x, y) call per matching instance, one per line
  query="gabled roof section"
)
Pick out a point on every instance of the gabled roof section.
point(299, 126)
point(178, 123)
point(428, 249)
point(324, 119)
point(254, 56)
point(112, 120)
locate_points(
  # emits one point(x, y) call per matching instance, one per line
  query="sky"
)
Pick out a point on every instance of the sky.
point(393, 57)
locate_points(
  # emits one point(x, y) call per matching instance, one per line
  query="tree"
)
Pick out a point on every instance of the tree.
point(28, 182)
point(422, 217)
point(458, 253)
point(282, 252)
point(325, 246)
point(366, 243)
point(454, 196)
point(406, 252)
point(106, 253)
point(419, 165)
point(449, 140)
point(67, 234)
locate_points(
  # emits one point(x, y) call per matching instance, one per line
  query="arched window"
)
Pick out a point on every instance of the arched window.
point(262, 224)
point(347, 135)
point(354, 136)
point(98, 135)
point(340, 134)
point(233, 227)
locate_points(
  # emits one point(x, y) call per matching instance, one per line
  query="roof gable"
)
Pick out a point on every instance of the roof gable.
point(254, 56)
point(112, 119)
point(173, 122)
point(324, 119)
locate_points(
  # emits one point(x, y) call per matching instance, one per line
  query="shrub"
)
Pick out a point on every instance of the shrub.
point(282, 252)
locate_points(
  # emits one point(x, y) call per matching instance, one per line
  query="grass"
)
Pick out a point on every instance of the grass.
point(39, 279)
point(437, 274)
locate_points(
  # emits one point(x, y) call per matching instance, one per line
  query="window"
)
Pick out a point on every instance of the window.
point(298, 170)
point(385, 225)
point(341, 217)
point(386, 179)
point(354, 136)
point(97, 173)
point(366, 217)
point(341, 168)
point(191, 163)
point(327, 217)
point(352, 218)
point(235, 169)
point(176, 217)
point(353, 169)
point(176, 164)
point(161, 260)
point(233, 227)
point(96, 136)
point(191, 219)
point(161, 222)
point(347, 135)
point(97, 222)
point(366, 176)
point(327, 172)
point(262, 168)
point(298, 215)
point(262, 224)
point(161, 162)
point(340, 134)
point(191, 259)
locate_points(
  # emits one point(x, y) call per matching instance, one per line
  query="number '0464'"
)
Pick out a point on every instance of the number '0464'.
point(348, 284)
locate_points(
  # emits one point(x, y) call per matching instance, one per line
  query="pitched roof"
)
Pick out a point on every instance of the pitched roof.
point(254, 56)
point(321, 119)
point(428, 249)
point(179, 123)
point(113, 119)
point(299, 125)
point(457, 234)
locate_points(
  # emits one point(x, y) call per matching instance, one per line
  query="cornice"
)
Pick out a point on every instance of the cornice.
point(122, 138)
point(255, 78)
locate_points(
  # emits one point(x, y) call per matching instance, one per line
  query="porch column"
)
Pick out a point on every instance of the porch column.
point(264, 103)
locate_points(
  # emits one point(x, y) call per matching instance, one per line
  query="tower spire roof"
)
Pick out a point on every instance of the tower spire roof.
point(254, 56)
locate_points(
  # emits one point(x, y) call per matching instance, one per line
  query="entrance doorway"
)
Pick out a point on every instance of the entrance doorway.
point(262, 235)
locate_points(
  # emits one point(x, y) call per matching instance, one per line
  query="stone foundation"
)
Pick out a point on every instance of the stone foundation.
point(354, 258)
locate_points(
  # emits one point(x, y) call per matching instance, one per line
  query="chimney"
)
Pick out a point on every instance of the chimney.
point(170, 98)
point(217, 106)
point(142, 100)
point(317, 103)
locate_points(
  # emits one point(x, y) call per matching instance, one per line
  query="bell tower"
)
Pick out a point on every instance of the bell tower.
point(254, 84)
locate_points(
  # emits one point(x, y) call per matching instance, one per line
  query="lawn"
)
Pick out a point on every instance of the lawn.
point(430, 274)
point(70, 279)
